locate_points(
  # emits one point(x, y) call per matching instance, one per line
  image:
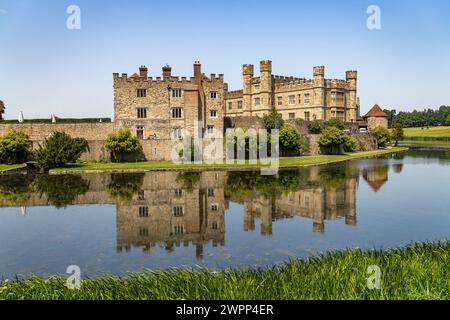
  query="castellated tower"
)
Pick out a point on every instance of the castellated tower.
point(247, 74)
point(265, 85)
point(319, 91)
point(352, 111)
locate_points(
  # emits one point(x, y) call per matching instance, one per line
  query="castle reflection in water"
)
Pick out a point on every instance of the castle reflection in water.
point(173, 209)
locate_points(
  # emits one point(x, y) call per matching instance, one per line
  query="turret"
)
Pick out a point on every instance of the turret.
point(247, 73)
point(352, 112)
point(265, 69)
point(319, 89)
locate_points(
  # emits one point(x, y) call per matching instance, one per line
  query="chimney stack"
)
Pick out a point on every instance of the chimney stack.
point(143, 72)
point(167, 72)
point(197, 71)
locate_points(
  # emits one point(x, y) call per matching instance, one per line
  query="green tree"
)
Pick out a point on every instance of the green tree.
point(350, 144)
point(59, 149)
point(122, 142)
point(289, 138)
point(273, 120)
point(382, 135)
point(447, 120)
point(314, 127)
point(397, 132)
point(333, 139)
point(15, 147)
point(337, 123)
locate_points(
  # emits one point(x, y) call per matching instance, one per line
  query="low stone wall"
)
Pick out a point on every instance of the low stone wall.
point(243, 122)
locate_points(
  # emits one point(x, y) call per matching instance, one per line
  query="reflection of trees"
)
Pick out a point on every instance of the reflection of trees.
point(397, 167)
point(61, 190)
point(188, 180)
point(124, 186)
point(243, 184)
point(15, 189)
point(335, 176)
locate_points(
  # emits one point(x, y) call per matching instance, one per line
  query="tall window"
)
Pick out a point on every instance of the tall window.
point(213, 113)
point(215, 225)
point(280, 100)
point(299, 99)
point(143, 212)
point(257, 101)
point(307, 116)
point(214, 207)
point(210, 129)
point(230, 105)
point(141, 93)
point(141, 113)
point(291, 99)
point(176, 93)
point(140, 132)
point(291, 115)
point(176, 113)
point(178, 192)
point(177, 211)
point(307, 98)
point(211, 192)
point(239, 104)
point(177, 133)
point(178, 229)
point(213, 94)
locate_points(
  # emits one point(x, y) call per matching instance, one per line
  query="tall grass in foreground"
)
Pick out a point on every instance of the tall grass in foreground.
point(418, 271)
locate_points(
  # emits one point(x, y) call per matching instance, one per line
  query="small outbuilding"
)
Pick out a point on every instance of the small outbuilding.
point(376, 117)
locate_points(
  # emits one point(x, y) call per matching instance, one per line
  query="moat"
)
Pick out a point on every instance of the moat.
point(119, 223)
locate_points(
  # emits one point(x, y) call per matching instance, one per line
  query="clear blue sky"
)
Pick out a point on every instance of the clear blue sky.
point(46, 68)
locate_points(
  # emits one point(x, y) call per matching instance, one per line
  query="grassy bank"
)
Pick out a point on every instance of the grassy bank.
point(427, 134)
point(169, 165)
point(9, 166)
point(419, 271)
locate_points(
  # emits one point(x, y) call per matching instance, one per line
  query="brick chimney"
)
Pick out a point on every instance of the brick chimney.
point(197, 71)
point(143, 72)
point(166, 71)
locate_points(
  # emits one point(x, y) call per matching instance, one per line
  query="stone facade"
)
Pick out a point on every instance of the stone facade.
point(294, 98)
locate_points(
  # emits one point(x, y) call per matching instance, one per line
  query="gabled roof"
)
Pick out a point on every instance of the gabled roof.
point(376, 112)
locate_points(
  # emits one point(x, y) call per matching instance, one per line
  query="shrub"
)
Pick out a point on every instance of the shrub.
point(289, 138)
point(350, 144)
point(59, 149)
point(333, 139)
point(122, 142)
point(382, 135)
point(315, 127)
point(273, 120)
point(304, 147)
point(15, 147)
point(337, 123)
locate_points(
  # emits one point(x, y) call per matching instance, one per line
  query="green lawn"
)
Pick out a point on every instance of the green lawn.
point(418, 271)
point(162, 165)
point(9, 166)
point(431, 132)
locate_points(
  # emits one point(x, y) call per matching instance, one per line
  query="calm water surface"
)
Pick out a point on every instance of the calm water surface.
point(119, 223)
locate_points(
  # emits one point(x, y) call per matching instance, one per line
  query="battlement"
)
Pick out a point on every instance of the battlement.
point(248, 69)
point(337, 83)
point(265, 66)
point(351, 75)
point(294, 84)
point(319, 71)
point(281, 79)
point(234, 94)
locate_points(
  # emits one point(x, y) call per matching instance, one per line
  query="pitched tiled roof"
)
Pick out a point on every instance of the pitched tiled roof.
point(376, 112)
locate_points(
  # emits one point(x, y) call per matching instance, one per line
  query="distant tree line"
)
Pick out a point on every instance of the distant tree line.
point(425, 118)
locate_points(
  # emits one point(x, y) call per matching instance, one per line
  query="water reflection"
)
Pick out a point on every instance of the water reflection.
point(171, 209)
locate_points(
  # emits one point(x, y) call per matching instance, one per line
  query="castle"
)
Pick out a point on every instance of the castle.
point(161, 111)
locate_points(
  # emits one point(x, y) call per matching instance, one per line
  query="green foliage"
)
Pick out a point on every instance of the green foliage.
point(397, 132)
point(15, 147)
point(273, 120)
point(188, 180)
point(382, 135)
point(15, 189)
point(122, 142)
point(350, 143)
point(425, 118)
point(124, 186)
point(289, 138)
point(413, 272)
point(304, 147)
point(59, 149)
point(335, 122)
point(447, 120)
point(315, 127)
point(332, 138)
point(60, 190)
